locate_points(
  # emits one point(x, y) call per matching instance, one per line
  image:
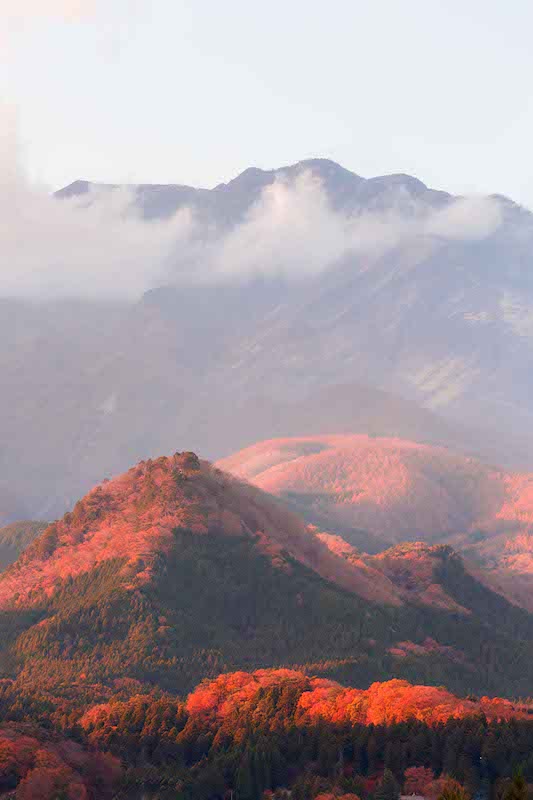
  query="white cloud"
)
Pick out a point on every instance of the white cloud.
point(291, 230)
point(470, 218)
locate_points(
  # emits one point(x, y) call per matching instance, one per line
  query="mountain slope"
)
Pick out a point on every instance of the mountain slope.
point(394, 488)
point(377, 491)
point(175, 571)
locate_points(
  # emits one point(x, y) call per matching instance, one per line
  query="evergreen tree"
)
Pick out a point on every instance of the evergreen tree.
point(388, 788)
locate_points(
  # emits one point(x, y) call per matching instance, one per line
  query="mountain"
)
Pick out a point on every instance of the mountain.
point(176, 571)
point(14, 539)
point(441, 315)
point(424, 336)
point(378, 491)
point(228, 203)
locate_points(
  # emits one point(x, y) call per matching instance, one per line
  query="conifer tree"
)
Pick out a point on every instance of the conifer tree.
point(388, 788)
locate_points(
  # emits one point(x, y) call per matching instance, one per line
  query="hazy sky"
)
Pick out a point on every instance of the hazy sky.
point(194, 91)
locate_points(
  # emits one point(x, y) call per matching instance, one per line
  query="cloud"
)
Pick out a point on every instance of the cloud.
point(99, 246)
point(467, 218)
point(292, 230)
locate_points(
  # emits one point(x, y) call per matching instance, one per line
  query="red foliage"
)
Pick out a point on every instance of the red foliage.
point(44, 768)
point(417, 780)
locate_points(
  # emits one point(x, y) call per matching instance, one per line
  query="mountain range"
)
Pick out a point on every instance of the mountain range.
point(425, 335)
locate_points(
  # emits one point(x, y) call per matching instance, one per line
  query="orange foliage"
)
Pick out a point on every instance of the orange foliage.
point(382, 703)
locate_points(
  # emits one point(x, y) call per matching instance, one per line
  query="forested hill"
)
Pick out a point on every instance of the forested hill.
point(174, 572)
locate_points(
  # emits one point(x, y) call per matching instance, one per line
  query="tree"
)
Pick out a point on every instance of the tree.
point(388, 787)
point(416, 780)
point(517, 789)
point(453, 790)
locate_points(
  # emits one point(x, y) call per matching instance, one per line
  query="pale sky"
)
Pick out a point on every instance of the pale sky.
point(195, 91)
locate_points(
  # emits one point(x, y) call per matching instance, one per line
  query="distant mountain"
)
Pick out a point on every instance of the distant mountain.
point(176, 571)
point(428, 337)
point(375, 491)
point(228, 203)
point(14, 539)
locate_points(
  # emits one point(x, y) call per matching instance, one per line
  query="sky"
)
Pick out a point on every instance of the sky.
point(195, 91)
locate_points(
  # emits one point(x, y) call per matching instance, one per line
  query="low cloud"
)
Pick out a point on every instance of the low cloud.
point(99, 246)
point(293, 230)
point(467, 218)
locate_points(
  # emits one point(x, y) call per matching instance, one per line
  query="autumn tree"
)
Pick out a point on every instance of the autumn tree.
point(416, 780)
point(453, 790)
